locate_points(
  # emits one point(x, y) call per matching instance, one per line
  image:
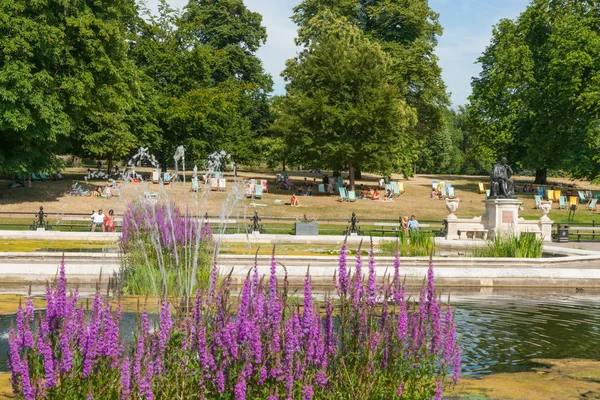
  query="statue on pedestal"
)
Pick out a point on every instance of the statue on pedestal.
point(502, 187)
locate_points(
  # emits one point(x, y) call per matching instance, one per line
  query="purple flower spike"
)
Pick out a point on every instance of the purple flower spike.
point(343, 271)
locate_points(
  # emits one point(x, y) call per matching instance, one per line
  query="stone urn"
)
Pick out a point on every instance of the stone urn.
point(452, 206)
point(545, 207)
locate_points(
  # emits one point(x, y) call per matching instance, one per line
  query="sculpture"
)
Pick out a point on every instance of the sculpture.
point(502, 187)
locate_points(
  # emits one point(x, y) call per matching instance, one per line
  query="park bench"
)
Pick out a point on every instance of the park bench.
point(78, 222)
point(472, 233)
point(392, 227)
point(580, 231)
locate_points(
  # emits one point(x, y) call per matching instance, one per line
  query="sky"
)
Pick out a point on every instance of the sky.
point(467, 31)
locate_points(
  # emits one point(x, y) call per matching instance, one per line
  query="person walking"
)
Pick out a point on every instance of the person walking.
point(98, 220)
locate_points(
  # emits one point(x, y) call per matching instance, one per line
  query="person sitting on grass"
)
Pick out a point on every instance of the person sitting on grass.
point(375, 195)
point(434, 194)
point(295, 202)
point(106, 192)
point(98, 220)
point(389, 196)
point(96, 192)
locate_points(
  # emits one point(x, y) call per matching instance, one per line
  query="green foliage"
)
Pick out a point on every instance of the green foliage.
point(523, 246)
point(536, 98)
point(66, 82)
point(415, 244)
point(407, 32)
point(341, 104)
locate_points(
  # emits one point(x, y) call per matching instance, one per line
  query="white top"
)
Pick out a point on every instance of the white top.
point(98, 218)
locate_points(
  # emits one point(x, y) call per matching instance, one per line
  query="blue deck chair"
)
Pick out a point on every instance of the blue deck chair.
point(166, 178)
point(591, 206)
point(351, 195)
point(540, 190)
point(434, 184)
point(581, 195)
point(343, 195)
point(562, 203)
point(448, 186)
point(43, 176)
point(444, 192)
point(450, 191)
point(396, 189)
point(321, 188)
point(488, 192)
point(538, 200)
point(389, 186)
point(34, 177)
point(195, 187)
point(258, 191)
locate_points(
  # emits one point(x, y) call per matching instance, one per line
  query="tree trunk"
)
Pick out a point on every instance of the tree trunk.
point(351, 174)
point(541, 177)
point(283, 163)
point(357, 173)
point(110, 163)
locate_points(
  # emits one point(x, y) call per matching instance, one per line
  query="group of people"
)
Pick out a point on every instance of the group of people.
point(409, 225)
point(106, 222)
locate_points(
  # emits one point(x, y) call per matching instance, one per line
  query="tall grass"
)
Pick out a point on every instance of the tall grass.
point(415, 244)
point(512, 246)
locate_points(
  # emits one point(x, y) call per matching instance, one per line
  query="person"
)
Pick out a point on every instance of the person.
point(434, 194)
point(99, 165)
point(295, 202)
point(58, 176)
point(369, 194)
point(325, 180)
point(106, 192)
point(305, 181)
point(96, 192)
point(389, 196)
point(98, 220)
point(109, 222)
point(308, 191)
point(314, 182)
point(381, 183)
point(404, 225)
point(375, 195)
point(413, 224)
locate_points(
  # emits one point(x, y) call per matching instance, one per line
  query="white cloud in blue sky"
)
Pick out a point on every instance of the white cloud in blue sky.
point(467, 31)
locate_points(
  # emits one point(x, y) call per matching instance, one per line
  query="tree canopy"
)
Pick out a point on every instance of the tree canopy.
point(537, 98)
point(342, 105)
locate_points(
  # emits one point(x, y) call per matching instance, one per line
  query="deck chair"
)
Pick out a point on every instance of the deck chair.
point(591, 206)
point(34, 177)
point(217, 174)
point(562, 203)
point(395, 189)
point(249, 191)
point(572, 201)
point(258, 192)
point(540, 190)
point(263, 184)
point(538, 201)
point(214, 184)
point(166, 178)
point(195, 187)
point(400, 186)
point(581, 195)
point(444, 192)
point(155, 177)
point(487, 192)
point(451, 192)
point(43, 176)
point(389, 186)
point(222, 185)
point(322, 188)
point(434, 184)
point(481, 187)
point(343, 195)
point(550, 195)
point(351, 195)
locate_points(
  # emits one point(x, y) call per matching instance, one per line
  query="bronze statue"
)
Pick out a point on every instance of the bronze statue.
point(502, 187)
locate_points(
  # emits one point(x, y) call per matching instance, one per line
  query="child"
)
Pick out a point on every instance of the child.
point(295, 202)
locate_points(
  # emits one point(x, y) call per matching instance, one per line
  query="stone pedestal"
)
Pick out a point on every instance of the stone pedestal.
point(501, 216)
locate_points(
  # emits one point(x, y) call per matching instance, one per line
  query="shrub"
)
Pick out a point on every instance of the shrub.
point(513, 246)
point(370, 343)
point(415, 244)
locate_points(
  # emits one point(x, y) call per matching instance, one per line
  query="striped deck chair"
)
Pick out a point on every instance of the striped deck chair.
point(351, 195)
point(538, 201)
point(265, 187)
point(343, 195)
point(258, 192)
point(322, 188)
point(562, 203)
point(222, 185)
point(591, 206)
point(451, 192)
point(214, 184)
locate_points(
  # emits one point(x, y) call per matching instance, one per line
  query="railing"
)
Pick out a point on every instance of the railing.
point(70, 221)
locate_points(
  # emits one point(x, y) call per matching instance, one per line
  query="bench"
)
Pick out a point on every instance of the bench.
point(592, 231)
point(472, 233)
point(87, 222)
point(392, 227)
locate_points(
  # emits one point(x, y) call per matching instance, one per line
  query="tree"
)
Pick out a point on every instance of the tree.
point(536, 98)
point(345, 109)
point(407, 31)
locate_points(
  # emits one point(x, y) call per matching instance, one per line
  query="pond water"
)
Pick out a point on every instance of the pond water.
point(498, 333)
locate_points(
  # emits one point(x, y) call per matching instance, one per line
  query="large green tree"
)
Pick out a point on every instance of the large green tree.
point(66, 81)
point(344, 106)
point(537, 98)
point(407, 31)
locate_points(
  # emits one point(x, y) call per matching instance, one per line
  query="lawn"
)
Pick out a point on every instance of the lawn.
point(415, 201)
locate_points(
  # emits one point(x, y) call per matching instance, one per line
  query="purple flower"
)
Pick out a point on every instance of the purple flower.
point(125, 379)
point(28, 390)
point(307, 392)
point(49, 362)
point(456, 365)
point(240, 388)
point(438, 390)
point(371, 286)
point(343, 273)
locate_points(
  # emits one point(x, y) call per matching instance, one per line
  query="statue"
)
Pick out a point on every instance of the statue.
point(502, 187)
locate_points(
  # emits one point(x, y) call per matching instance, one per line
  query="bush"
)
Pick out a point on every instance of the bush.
point(370, 343)
point(415, 244)
point(522, 246)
